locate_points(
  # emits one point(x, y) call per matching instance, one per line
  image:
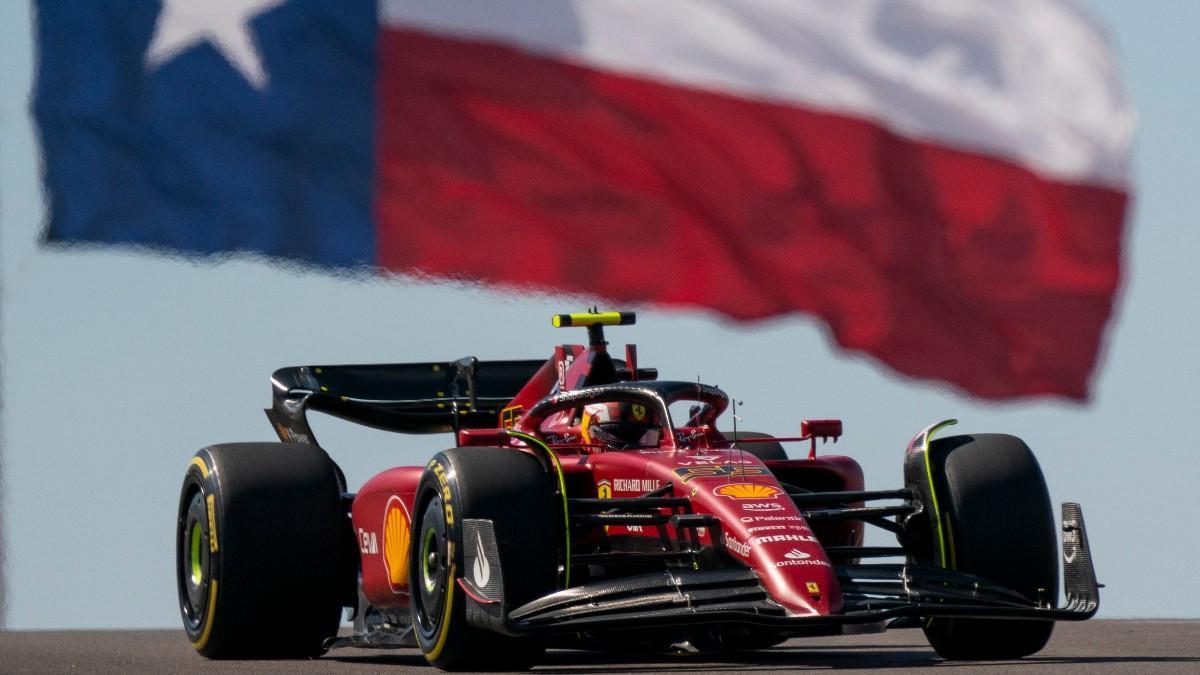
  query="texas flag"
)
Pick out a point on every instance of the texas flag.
point(943, 183)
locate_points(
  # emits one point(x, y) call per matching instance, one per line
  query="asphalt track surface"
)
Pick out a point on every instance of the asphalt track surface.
point(1113, 646)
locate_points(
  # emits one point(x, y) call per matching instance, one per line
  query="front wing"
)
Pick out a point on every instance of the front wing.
point(872, 594)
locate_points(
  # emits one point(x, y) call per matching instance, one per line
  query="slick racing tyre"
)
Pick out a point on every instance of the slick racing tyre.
point(261, 550)
point(513, 491)
point(999, 526)
point(764, 450)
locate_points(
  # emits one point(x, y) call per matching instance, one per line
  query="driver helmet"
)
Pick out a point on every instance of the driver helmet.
point(622, 425)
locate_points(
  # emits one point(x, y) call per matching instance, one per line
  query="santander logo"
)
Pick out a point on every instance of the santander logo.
point(796, 554)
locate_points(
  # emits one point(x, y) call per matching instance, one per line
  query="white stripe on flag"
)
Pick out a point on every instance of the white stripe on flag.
point(1033, 81)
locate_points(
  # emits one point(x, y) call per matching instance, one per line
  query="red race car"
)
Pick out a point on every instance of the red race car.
point(590, 504)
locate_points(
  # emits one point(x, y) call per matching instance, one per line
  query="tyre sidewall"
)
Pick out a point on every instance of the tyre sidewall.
point(278, 538)
point(199, 479)
point(511, 489)
point(998, 524)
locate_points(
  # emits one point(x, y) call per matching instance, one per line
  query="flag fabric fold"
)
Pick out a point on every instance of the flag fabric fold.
point(944, 184)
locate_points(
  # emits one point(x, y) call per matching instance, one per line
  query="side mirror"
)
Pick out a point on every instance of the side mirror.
point(822, 429)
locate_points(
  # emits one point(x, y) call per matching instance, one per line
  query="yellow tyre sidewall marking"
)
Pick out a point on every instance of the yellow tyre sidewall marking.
point(448, 605)
point(210, 511)
point(446, 612)
point(202, 641)
point(199, 464)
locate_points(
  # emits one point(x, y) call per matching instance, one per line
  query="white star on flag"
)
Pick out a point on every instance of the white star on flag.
point(183, 24)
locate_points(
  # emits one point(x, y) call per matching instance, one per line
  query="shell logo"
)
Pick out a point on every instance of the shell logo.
point(747, 491)
point(397, 537)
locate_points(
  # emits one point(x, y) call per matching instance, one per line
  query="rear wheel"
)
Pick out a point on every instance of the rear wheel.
point(997, 524)
point(513, 491)
point(260, 550)
point(763, 450)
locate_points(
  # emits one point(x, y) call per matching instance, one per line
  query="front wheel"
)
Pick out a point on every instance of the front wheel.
point(511, 490)
point(998, 524)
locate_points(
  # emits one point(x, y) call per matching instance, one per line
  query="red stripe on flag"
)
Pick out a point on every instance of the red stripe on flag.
point(501, 166)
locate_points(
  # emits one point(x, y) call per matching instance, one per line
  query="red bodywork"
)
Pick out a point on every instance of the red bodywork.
point(760, 525)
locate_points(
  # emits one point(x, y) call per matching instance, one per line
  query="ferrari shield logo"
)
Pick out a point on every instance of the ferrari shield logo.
point(639, 412)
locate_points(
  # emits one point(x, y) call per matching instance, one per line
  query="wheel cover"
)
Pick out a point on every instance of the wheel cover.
point(434, 570)
point(196, 537)
point(194, 565)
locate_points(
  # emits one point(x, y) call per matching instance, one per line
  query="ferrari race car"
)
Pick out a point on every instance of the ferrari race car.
point(591, 505)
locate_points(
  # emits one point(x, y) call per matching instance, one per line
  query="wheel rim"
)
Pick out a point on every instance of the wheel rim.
point(197, 569)
point(434, 569)
point(429, 556)
point(194, 560)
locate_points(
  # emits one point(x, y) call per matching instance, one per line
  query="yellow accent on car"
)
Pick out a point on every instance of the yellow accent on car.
point(200, 642)
point(199, 464)
point(937, 513)
point(596, 319)
point(211, 503)
point(446, 612)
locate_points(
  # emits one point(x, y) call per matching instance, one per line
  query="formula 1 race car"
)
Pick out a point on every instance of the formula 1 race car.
point(589, 504)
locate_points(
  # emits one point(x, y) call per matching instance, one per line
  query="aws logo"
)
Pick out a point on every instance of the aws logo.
point(397, 538)
point(747, 491)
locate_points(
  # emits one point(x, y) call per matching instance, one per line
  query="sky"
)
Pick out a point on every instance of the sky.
point(117, 366)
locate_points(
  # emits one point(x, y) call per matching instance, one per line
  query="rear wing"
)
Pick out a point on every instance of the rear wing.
point(415, 398)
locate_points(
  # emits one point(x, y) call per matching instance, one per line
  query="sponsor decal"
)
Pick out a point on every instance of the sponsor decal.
point(210, 504)
point(481, 571)
point(747, 491)
point(439, 473)
point(639, 411)
point(604, 489)
point(1070, 540)
point(814, 589)
point(687, 473)
point(635, 484)
point(700, 460)
point(796, 554)
point(288, 435)
point(739, 547)
point(771, 528)
point(368, 543)
point(775, 538)
point(775, 519)
point(761, 507)
point(397, 537)
point(794, 563)
point(563, 367)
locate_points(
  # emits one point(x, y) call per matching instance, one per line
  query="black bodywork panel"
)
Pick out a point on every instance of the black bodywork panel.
point(415, 398)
